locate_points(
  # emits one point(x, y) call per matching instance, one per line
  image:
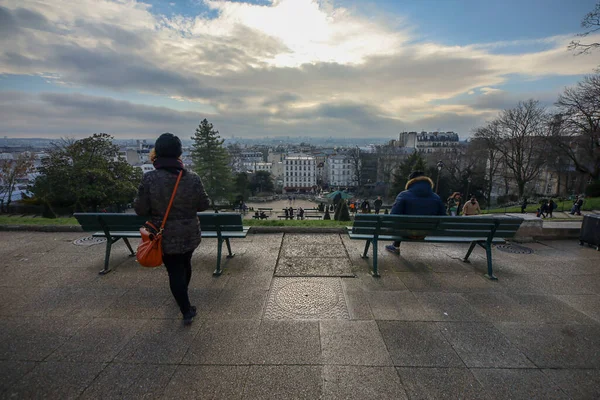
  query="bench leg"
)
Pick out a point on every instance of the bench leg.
point(230, 255)
point(466, 259)
point(488, 251)
point(218, 271)
point(375, 272)
point(364, 254)
point(109, 243)
point(129, 247)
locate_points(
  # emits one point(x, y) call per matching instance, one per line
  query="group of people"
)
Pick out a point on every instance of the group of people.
point(261, 215)
point(289, 213)
point(454, 205)
point(548, 206)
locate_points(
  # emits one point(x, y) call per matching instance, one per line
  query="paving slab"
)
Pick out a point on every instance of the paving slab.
point(291, 239)
point(556, 345)
point(130, 381)
point(353, 343)
point(481, 345)
point(441, 383)
point(55, 380)
point(207, 382)
point(159, 341)
point(518, 384)
point(587, 304)
point(356, 300)
point(234, 303)
point(12, 371)
point(33, 338)
point(223, 342)
point(287, 342)
point(391, 305)
point(302, 266)
point(99, 341)
point(447, 307)
point(314, 250)
point(284, 382)
point(350, 382)
point(514, 307)
point(418, 344)
point(576, 383)
point(448, 282)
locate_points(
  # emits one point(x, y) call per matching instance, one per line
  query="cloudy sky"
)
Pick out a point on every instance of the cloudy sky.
point(254, 68)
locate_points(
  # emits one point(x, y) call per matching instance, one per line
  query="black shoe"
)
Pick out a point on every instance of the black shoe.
point(188, 317)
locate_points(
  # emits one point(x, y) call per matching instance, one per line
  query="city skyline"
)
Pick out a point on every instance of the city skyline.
point(341, 69)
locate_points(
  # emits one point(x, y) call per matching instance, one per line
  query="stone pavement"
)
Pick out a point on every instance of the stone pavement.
point(275, 325)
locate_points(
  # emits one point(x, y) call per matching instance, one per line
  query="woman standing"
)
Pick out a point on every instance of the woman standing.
point(453, 203)
point(181, 235)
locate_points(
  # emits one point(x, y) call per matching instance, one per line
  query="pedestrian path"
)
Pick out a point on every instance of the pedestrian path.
point(430, 327)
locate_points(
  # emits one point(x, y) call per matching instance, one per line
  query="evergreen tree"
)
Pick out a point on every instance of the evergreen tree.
point(414, 162)
point(341, 212)
point(211, 161)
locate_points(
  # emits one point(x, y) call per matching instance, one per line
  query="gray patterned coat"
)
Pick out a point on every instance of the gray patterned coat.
point(182, 230)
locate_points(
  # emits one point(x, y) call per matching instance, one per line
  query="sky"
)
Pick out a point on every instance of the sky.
point(256, 68)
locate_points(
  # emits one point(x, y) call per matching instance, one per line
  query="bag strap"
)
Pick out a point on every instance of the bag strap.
point(164, 221)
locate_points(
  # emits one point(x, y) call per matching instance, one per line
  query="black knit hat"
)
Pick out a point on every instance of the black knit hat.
point(415, 174)
point(168, 145)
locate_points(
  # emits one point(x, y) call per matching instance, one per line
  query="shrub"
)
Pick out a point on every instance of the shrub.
point(593, 189)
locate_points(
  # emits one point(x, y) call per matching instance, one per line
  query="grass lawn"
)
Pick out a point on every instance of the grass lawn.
point(13, 220)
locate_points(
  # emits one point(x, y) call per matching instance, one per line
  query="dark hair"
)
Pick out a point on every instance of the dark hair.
point(168, 145)
point(415, 174)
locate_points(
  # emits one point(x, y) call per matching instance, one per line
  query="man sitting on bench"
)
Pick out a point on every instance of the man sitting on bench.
point(417, 199)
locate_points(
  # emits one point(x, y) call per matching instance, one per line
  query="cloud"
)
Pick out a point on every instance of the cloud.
point(280, 66)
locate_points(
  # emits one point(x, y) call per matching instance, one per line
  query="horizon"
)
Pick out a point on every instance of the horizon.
point(344, 69)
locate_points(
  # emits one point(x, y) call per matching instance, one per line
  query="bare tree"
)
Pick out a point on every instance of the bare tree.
point(487, 138)
point(356, 165)
point(575, 129)
point(522, 132)
point(10, 171)
point(591, 24)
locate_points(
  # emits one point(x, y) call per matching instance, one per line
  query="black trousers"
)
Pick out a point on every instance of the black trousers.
point(179, 267)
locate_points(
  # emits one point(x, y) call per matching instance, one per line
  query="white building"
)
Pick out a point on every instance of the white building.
point(145, 167)
point(257, 166)
point(339, 171)
point(300, 173)
point(428, 142)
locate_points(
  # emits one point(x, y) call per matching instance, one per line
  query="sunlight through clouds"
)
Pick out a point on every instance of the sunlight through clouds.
point(288, 65)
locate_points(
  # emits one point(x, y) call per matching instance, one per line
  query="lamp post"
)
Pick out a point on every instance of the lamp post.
point(439, 165)
point(469, 179)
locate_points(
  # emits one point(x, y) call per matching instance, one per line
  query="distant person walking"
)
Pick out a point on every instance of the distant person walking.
point(417, 199)
point(471, 207)
point(378, 203)
point(551, 206)
point(181, 234)
point(524, 205)
point(577, 205)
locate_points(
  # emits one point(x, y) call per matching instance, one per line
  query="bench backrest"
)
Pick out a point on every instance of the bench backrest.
point(421, 225)
point(221, 222)
point(112, 222)
point(119, 222)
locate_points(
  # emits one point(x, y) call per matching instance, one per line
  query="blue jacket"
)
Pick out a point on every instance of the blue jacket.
point(418, 199)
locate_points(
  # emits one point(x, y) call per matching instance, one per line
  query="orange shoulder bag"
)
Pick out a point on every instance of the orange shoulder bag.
point(149, 252)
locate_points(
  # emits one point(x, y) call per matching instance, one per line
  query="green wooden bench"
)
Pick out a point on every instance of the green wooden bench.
point(222, 226)
point(478, 231)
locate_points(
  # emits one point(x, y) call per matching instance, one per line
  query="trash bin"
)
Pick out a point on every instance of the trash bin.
point(590, 231)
